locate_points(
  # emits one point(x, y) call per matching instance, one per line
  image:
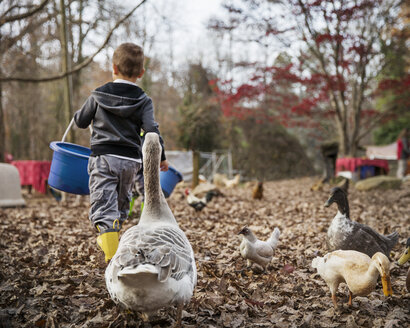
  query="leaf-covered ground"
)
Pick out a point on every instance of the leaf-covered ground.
point(52, 274)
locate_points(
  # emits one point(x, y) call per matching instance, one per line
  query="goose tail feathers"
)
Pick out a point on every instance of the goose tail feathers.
point(144, 268)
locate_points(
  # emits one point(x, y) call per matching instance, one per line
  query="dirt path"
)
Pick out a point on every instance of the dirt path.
point(52, 274)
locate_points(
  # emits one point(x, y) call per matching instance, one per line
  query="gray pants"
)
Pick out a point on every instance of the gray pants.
point(111, 182)
point(138, 188)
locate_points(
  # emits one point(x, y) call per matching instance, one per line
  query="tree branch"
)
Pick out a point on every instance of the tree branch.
point(8, 42)
point(29, 13)
point(316, 52)
point(373, 124)
point(79, 66)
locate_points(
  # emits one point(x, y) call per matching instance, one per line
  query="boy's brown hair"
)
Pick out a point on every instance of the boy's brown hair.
point(129, 59)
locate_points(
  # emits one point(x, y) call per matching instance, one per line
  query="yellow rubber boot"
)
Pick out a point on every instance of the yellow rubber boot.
point(108, 241)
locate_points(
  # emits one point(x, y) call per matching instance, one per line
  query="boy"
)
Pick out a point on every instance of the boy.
point(117, 111)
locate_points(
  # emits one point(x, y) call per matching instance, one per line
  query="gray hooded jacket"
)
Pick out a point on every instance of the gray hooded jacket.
point(118, 112)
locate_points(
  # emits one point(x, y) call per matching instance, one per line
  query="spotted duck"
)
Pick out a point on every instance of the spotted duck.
point(346, 234)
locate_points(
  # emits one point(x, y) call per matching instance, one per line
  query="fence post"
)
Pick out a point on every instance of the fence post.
point(230, 164)
point(195, 168)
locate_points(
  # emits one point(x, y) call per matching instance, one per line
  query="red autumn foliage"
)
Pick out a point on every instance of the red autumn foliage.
point(398, 86)
point(337, 63)
point(328, 37)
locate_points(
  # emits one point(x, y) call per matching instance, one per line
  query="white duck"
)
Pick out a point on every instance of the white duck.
point(357, 270)
point(154, 266)
point(258, 251)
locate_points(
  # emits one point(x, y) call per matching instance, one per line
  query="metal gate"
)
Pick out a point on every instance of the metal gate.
point(215, 162)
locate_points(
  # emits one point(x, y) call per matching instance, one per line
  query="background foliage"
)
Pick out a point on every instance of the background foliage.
point(277, 78)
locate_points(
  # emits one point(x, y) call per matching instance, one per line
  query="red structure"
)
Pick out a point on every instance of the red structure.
point(34, 173)
point(352, 164)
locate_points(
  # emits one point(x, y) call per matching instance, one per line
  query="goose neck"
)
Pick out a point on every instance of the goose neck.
point(155, 205)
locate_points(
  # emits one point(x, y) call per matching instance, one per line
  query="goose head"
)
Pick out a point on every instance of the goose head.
point(382, 264)
point(338, 196)
point(406, 255)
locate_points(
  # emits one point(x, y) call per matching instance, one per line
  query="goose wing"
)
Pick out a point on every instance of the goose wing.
point(165, 247)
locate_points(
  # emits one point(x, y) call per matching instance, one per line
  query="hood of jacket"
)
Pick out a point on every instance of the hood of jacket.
point(126, 100)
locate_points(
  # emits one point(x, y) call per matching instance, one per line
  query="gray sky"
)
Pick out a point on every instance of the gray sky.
point(188, 19)
point(179, 29)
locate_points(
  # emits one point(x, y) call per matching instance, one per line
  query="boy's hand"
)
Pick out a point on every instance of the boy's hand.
point(164, 166)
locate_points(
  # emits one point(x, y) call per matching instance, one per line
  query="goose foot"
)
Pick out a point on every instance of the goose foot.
point(179, 316)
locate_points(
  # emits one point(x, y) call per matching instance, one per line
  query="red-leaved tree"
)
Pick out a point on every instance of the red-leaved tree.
point(329, 71)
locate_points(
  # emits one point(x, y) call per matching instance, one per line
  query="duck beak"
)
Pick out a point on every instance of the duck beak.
point(387, 290)
point(405, 257)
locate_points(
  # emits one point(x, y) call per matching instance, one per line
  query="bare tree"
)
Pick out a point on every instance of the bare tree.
point(19, 19)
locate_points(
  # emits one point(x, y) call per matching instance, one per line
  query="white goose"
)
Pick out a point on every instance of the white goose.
point(154, 266)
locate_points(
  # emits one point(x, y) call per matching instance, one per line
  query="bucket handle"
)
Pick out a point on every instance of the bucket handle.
point(69, 127)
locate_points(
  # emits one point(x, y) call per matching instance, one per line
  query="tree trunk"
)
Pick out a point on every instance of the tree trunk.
point(2, 123)
point(2, 129)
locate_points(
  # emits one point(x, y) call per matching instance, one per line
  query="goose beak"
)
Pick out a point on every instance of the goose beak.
point(328, 203)
point(387, 290)
point(405, 257)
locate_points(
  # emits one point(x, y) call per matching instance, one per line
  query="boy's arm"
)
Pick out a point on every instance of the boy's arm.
point(84, 116)
point(164, 166)
point(149, 124)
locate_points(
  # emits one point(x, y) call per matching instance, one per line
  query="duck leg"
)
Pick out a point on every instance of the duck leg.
point(179, 315)
point(144, 316)
point(259, 268)
point(334, 300)
point(350, 298)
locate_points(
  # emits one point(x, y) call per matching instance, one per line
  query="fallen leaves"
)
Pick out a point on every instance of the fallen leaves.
point(52, 273)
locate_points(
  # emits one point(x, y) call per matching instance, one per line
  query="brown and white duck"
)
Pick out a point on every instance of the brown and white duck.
point(346, 234)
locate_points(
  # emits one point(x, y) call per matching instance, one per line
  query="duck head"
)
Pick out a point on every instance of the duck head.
point(338, 196)
point(383, 266)
point(406, 255)
point(247, 233)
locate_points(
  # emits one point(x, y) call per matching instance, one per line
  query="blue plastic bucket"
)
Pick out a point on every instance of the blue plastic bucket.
point(68, 171)
point(169, 180)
